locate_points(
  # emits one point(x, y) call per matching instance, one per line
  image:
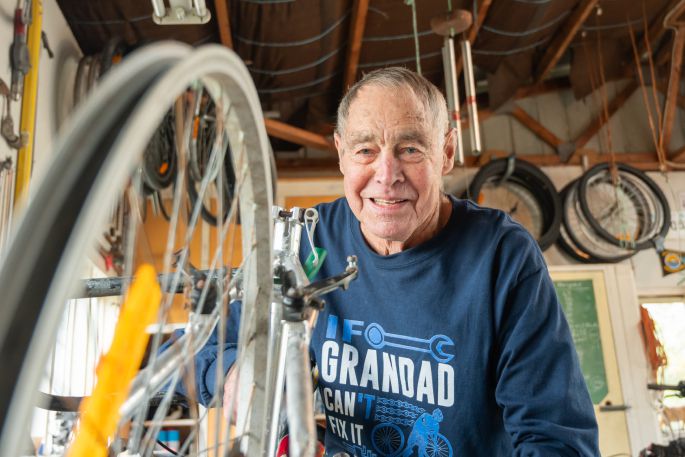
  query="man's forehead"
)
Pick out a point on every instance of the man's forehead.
point(410, 133)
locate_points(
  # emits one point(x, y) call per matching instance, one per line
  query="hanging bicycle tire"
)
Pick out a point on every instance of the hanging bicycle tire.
point(523, 191)
point(96, 158)
point(633, 212)
point(580, 241)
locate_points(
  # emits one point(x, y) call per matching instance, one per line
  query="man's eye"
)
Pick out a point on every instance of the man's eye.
point(411, 154)
point(364, 151)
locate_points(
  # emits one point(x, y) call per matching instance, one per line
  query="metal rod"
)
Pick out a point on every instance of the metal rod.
point(301, 426)
point(452, 89)
point(115, 286)
point(470, 83)
point(200, 7)
point(167, 363)
point(159, 8)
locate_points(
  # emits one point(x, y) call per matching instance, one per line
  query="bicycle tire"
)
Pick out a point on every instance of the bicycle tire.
point(111, 54)
point(73, 196)
point(228, 184)
point(533, 180)
point(652, 188)
point(566, 244)
point(582, 236)
point(81, 80)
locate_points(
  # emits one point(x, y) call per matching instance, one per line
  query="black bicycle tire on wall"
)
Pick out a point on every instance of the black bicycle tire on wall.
point(575, 241)
point(536, 182)
point(638, 174)
point(565, 242)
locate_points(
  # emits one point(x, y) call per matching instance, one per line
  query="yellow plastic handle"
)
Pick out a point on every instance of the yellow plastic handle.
point(100, 412)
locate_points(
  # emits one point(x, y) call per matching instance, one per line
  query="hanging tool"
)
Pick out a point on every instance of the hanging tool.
point(6, 181)
point(471, 105)
point(449, 25)
point(19, 52)
point(7, 123)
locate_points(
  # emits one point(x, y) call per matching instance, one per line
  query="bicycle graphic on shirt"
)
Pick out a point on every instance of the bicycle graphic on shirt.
point(425, 439)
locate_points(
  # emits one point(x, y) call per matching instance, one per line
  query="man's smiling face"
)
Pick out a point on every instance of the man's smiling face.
point(393, 156)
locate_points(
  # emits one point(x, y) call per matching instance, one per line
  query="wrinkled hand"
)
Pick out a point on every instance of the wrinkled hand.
point(231, 393)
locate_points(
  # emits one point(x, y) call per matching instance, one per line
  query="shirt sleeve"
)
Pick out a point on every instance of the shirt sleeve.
point(546, 405)
point(207, 358)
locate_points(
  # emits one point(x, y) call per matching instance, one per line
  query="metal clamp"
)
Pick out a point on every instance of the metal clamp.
point(180, 12)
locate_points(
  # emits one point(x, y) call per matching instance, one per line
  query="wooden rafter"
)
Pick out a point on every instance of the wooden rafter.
point(672, 91)
point(679, 155)
point(359, 12)
point(680, 99)
point(224, 23)
point(563, 38)
point(278, 129)
point(482, 13)
point(595, 126)
point(656, 30)
point(536, 127)
point(550, 85)
point(674, 21)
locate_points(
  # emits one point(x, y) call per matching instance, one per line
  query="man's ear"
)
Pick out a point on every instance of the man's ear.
point(449, 150)
point(338, 146)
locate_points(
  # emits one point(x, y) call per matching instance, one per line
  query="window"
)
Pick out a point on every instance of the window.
point(664, 325)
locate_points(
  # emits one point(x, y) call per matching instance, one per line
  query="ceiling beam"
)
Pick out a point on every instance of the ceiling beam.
point(536, 127)
point(679, 155)
point(545, 87)
point(278, 129)
point(663, 88)
point(596, 125)
point(358, 23)
point(482, 13)
point(563, 38)
point(656, 30)
point(673, 89)
point(223, 23)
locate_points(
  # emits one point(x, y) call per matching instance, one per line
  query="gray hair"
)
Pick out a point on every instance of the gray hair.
point(394, 78)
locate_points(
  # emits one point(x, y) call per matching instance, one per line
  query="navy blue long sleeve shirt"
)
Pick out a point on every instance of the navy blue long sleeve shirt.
point(457, 346)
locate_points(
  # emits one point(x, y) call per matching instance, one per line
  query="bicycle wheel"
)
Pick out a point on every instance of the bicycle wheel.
point(581, 235)
point(565, 242)
point(524, 192)
point(438, 446)
point(99, 155)
point(387, 439)
point(632, 213)
point(203, 140)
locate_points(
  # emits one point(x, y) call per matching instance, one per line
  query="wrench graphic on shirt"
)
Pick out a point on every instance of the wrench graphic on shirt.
point(436, 345)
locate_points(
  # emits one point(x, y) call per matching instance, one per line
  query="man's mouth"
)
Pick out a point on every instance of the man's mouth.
point(383, 202)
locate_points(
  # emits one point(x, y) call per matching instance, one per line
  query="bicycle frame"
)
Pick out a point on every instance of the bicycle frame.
point(294, 312)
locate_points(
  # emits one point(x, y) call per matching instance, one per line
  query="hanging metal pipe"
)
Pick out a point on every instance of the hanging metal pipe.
point(159, 8)
point(200, 7)
point(28, 106)
point(470, 83)
point(452, 89)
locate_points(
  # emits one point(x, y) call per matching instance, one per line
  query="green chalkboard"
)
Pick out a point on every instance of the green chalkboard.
point(578, 301)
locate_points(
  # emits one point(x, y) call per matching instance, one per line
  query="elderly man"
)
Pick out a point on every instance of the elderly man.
point(451, 342)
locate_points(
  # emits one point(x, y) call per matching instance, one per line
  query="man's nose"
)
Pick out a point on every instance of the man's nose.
point(388, 168)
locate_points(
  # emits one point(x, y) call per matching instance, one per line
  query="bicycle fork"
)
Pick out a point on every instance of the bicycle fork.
point(293, 315)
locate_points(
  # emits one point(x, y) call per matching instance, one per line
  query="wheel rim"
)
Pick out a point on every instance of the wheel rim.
point(228, 80)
